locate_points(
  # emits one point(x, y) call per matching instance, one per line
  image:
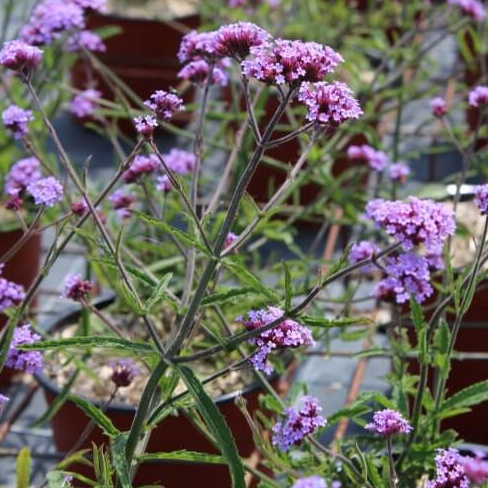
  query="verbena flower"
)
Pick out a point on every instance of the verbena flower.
point(473, 8)
point(388, 422)
point(46, 191)
point(377, 160)
point(310, 482)
point(298, 423)
point(363, 250)
point(285, 61)
point(180, 161)
point(79, 208)
point(145, 125)
point(481, 198)
point(124, 372)
point(399, 172)
point(236, 40)
point(197, 45)
point(287, 333)
point(16, 120)
point(413, 222)
point(478, 96)
point(329, 103)
point(85, 103)
point(3, 400)
point(142, 165)
point(408, 275)
point(50, 19)
point(122, 202)
point(76, 288)
point(21, 175)
point(85, 40)
point(438, 106)
point(19, 56)
point(11, 293)
point(164, 184)
point(476, 468)
point(450, 471)
point(30, 361)
point(197, 72)
point(164, 104)
point(231, 237)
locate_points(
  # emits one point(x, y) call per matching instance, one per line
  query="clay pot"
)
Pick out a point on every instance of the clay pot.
point(22, 268)
point(174, 433)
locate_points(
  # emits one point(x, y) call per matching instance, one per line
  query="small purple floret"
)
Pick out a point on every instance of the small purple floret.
point(21, 175)
point(30, 361)
point(478, 96)
point(124, 372)
point(16, 119)
point(11, 293)
point(298, 423)
point(145, 125)
point(439, 107)
point(481, 198)
point(474, 8)
point(450, 471)
point(377, 160)
point(76, 288)
point(399, 172)
point(310, 482)
point(85, 103)
point(164, 104)
point(180, 161)
point(142, 165)
point(388, 422)
point(476, 468)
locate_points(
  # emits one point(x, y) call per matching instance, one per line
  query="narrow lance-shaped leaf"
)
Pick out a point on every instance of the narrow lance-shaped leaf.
point(158, 293)
point(288, 286)
point(24, 461)
point(96, 415)
point(468, 397)
point(119, 460)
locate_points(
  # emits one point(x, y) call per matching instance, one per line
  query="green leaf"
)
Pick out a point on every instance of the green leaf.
point(119, 460)
point(246, 276)
point(56, 479)
point(288, 286)
point(158, 293)
point(135, 272)
point(329, 323)
point(423, 346)
point(349, 412)
point(417, 315)
point(189, 456)
point(225, 296)
point(468, 397)
point(96, 415)
point(24, 462)
point(374, 351)
point(84, 341)
point(131, 299)
point(374, 474)
point(217, 424)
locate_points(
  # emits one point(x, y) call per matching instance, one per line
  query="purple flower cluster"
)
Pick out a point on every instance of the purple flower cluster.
point(450, 471)
point(408, 275)
point(145, 125)
point(473, 8)
point(122, 202)
point(30, 361)
point(478, 96)
point(361, 251)
point(19, 56)
point(164, 104)
point(329, 103)
point(85, 103)
point(11, 293)
point(236, 40)
point(399, 172)
point(124, 372)
point(85, 40)
point(197, 45)
point(298, 423)
point(180, 161)
point(413, 222)
point(46, 191)
point(142, 165)
point(16, 120)
point(21, 175)
point(438, 106)
point(481, 198)
point(286, 333)
point(79, 208)
point(76, 288)
point(283, 61)
point(377, 160)
point(476, 468)
point(197, 72)
point(388, 422)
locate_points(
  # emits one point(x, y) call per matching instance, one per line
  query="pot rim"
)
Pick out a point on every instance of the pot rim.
point(71, 313)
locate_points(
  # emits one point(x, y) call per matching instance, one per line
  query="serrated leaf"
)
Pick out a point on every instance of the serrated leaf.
point(190, 456)
point(288, 286)
point(84, 341)
point(24, 462)
point(468, 397)
point(423, 346)
point(119, 460)
point(246, 276)
point(216, 423)
point(374, 474)
point(374, 351)
point(56, 479)
point(329, 323)
point(135, 272)
point(226, 296)
point(131, 299)
point(417, 315)
point(349, 412)
point(96, 415)
point(158, 293)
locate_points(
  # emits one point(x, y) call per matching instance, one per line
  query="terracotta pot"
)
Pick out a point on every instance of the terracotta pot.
point(22, 268)
point(143, 55)
point(174, 433)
